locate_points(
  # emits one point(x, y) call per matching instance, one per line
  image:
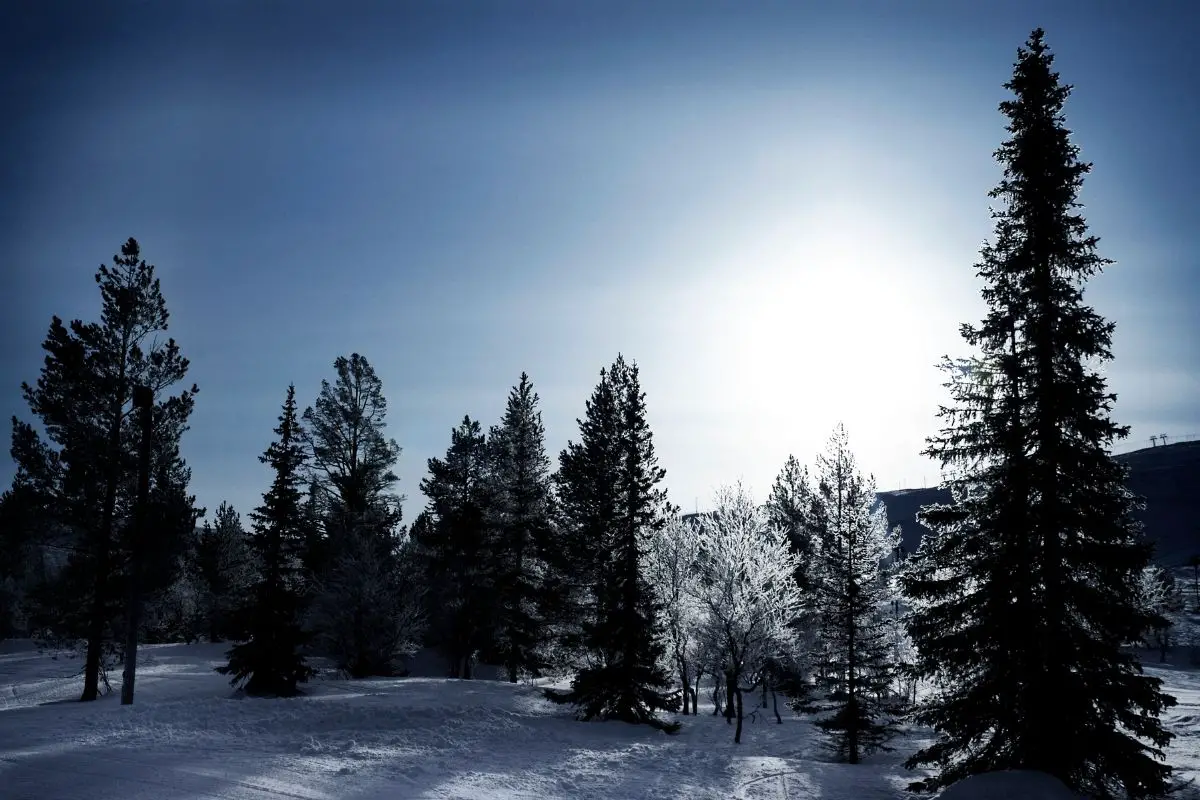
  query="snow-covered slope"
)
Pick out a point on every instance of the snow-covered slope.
point(188, 736)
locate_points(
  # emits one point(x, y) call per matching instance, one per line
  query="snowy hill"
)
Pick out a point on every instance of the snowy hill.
point(189, 736)
point(1167, 477)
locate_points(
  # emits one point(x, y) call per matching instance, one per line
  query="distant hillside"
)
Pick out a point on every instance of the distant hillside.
point(1167, 477)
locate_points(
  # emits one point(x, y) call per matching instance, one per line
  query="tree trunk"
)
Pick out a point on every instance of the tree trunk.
point(775, 706)
point(852, 730)
point(144, 400)
point(683, 679)
point(737, 734)
point(91, 673)
point(730, 691)
point(91, 669)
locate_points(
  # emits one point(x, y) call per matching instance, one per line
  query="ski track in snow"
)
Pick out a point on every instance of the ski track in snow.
point(189, 737)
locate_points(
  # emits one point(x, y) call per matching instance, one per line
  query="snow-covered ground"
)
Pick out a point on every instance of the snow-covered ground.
point(188, 736)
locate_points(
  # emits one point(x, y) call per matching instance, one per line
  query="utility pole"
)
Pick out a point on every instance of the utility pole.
point(143, 400)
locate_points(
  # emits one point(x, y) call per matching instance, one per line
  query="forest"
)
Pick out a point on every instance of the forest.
point(1012, 632)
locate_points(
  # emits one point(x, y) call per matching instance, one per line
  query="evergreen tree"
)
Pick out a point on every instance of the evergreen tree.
point(271, 661)
point(850, 588)
point(627, 679)
point(84, 400)
point(521, 511)
point(790, 508)
point(353, 463)
point(171, 517)
point(351, 457)
point(588, 507)
point(453, 543)
point(225, 568)
point(22, 529)
point(1027, 590)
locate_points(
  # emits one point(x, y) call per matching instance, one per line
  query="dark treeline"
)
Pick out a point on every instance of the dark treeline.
point(1015, 613)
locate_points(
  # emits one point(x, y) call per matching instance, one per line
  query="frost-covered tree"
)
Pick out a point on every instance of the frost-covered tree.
point(453, 545)
point(613, 508)
point(746, 592)
point(1028, 587)
point(271, 662)
point(1162, 599)
point(86, 475)
point(671, 563)
point(523, 549)
point(850, 586)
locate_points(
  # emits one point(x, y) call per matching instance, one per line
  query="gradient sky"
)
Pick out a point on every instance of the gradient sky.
point(774, 208)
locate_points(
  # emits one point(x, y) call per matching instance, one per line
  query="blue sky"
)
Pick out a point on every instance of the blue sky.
point(775, 208)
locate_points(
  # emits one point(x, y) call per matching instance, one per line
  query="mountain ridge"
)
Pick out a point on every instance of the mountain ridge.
point(1167, 477)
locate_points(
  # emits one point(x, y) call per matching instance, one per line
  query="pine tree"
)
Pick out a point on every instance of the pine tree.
point(225, 568)
point(271, 662)
point(171, 518)
point(84, 400)
point(453, 544)
point(1028, 588)
point(850, 587)
point(353, 462)
point(790, 507)
point(614, 508)
point(22, 528)
point(587, 504)
point(521, 511)
point(351, 457)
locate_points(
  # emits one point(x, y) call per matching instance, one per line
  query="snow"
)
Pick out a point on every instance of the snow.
point(189, 737)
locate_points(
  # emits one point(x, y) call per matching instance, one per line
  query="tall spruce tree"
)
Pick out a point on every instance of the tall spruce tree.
point(1027, 590)
point(454, 546)
point(84, 398)
point(793, 507)
point(523, 549)
point(271, 661)
point(790, 507)
point(623, 508)
point(585, 485)
point(855, 658)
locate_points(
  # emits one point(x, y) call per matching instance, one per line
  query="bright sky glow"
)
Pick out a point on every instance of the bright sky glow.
point(774, 211)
